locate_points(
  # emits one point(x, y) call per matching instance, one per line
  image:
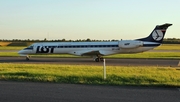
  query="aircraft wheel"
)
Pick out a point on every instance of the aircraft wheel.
point(27, 58)
point(97, 59)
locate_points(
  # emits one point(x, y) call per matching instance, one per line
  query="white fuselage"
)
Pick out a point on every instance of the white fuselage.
point(99, 49)
point(89, 48)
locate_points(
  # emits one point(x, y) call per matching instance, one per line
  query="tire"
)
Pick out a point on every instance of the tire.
point(97, 59)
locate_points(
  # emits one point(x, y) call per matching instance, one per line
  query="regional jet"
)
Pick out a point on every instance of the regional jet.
point(99, 49)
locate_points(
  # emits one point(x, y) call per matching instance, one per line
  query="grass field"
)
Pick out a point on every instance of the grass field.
point(84, 74)
point(168, 47)
point(158, 55)
point(11, 47)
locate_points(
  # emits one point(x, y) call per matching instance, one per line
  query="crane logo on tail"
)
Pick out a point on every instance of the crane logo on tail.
point(157, 35)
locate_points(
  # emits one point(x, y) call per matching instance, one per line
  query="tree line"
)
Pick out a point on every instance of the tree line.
point(59, 40)
point(165, 41)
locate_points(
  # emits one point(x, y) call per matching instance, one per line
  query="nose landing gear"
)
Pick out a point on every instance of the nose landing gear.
point(27, 58)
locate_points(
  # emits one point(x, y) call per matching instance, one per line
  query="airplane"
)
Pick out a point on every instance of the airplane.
point(99, 49)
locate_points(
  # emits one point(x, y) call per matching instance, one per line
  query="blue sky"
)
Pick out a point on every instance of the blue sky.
point(82, 19)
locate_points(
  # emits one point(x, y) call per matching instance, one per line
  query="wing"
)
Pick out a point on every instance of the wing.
point(90, 53)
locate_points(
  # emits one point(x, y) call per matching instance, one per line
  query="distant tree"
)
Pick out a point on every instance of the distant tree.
point(88, 40)
point(63, 40)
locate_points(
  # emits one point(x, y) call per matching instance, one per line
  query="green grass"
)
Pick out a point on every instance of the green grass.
point(168, 47)
point(83, 74)
point(157, 55)
point(8, 54)
point(11, 47)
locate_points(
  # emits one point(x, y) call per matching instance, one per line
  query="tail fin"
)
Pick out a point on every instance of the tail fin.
point(157, 34)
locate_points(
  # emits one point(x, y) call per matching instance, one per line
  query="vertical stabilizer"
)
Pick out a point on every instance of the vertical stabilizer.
point(157, 34)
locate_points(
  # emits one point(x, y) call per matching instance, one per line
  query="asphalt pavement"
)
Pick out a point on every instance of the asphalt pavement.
point(89, 61)
point(51, 92)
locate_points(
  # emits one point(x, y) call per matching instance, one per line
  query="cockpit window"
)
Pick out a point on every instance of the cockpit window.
point(29, 48)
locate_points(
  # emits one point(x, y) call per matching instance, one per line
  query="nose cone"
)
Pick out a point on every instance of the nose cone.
point(25, 52)
point(22, 53)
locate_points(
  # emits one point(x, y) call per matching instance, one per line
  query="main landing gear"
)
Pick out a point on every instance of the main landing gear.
point(99, 58)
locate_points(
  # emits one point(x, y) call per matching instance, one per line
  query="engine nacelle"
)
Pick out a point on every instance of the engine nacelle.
point(128, 44)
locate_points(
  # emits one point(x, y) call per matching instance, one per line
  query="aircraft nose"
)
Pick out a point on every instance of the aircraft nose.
point(20, 52)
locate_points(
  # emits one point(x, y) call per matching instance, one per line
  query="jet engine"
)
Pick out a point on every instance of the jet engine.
point(128, 44)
